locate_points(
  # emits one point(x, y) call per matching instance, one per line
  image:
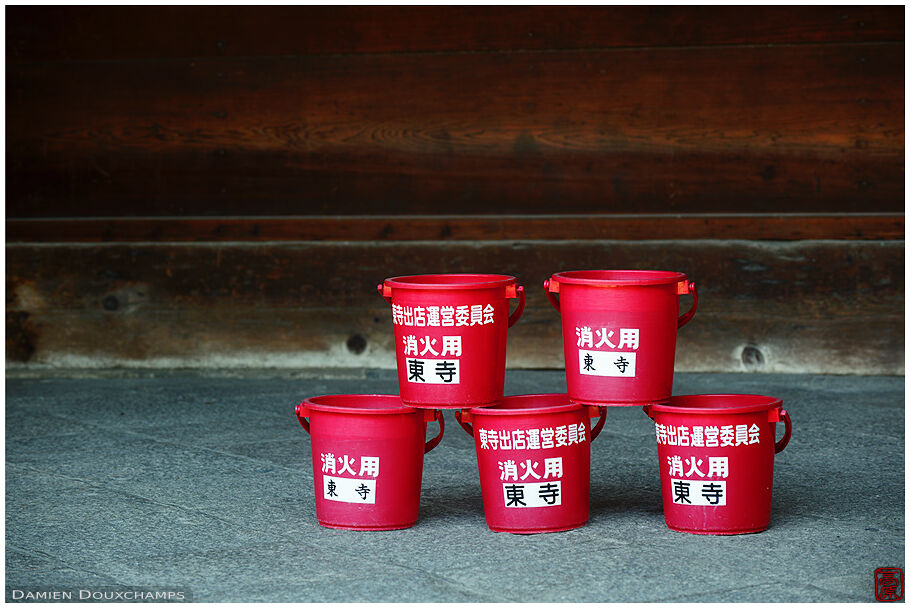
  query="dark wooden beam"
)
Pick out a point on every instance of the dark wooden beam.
point(787, 227)
point(805, 128)
point(145, 32)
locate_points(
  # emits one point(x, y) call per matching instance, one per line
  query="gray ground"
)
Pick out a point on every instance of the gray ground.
point(205, 484)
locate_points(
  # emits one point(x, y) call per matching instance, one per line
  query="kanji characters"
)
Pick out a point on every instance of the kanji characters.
point(552, 467)
point(415, 370)
point(476, 314)
point(445, 370)
point(694, 467)
point(589, 362)
point(712, 492)
point(529, 470)
point(742, 434)
point(681, 492)
point(410, 345)
point(603, 338)
point(508, 470)
point(585, 337)
point(549, 492)
point(443, 316)
point(427, 343)
point(451, 346)
point(718, 466)
point(675, 464)
point(515, 495)
point(346, 465)
point(328, 462)
point(628, 338)
point(369, 465)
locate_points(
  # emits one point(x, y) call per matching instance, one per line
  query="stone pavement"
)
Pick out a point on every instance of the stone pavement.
point(203, 484)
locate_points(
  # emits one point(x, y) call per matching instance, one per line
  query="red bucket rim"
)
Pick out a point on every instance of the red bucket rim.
point(498, 409)
point(359, 404)
point(452, 281)
point(716, 403)
point(618, 278)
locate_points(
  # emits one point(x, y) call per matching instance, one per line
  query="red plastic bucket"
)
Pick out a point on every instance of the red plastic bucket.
point(367, 459)
point(534, 460)
point(450, 336)
point(716, 457)
point(619, 332)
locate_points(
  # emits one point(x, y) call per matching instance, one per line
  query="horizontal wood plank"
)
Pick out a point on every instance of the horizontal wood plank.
point(458, 228)
point(816, 128)
point(822, 307)
point(144, 32)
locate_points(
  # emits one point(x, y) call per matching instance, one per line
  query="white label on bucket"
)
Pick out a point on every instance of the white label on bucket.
point(522, 495)
point(342, 489)
point(434, 371)
point(600, 363)
point(699, 493)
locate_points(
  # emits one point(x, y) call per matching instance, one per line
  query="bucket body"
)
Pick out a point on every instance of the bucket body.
point(450, 336)
point(534, 461)
point(367, 459)
point(619, 332)
point(716, 458)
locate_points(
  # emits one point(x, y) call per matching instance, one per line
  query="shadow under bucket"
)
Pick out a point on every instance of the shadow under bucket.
point(716, 458)
point(534, 461)
point(367, 455)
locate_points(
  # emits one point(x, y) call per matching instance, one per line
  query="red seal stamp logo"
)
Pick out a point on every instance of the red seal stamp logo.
point(889, 584)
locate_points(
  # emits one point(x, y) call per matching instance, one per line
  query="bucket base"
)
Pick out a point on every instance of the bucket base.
point(719, 532)
point(366, 528)
point(538, 530)
point(637, 403)
point(447, 406)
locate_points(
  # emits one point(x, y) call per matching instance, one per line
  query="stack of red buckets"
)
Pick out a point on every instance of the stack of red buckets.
point(715, 452)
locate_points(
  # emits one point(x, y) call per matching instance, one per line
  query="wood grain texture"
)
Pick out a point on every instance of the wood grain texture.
point(458, 228)
point(142, 32)
point(822, 307)
point(808, 128)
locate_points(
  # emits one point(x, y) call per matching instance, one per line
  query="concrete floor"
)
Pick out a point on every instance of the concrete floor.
point(202, 485)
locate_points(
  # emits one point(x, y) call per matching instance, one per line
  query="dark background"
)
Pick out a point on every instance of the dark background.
point(225, 186)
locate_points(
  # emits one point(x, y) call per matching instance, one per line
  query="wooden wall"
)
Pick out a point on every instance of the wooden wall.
point(198, 186)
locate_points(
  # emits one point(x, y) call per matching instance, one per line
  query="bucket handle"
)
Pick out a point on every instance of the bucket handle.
point(464, 423)
point(601, 412)
point(302, 412)
point(685, 287)
point(550, 296)
point(430, 416)
point(520, 294)
point(463, 417)
point(788, 428)
point(385, 292)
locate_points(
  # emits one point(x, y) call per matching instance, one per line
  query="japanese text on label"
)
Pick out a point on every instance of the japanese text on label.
point(522, 495)
point(532, 439)
point(604, 338)
point(434, 371)
point(442, 316)
point(707, 436)
point(699, 493)
point(609, 364)
point(357, 488)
